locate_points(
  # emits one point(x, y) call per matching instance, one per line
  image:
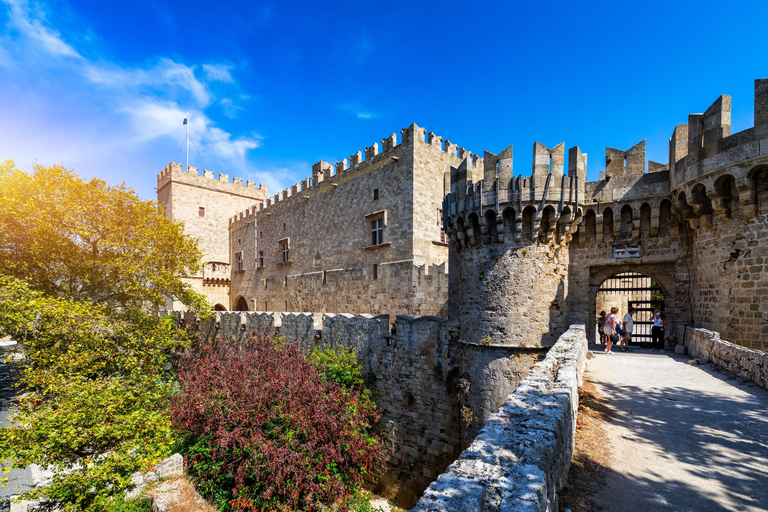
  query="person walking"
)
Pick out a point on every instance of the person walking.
point(657, 331)
point(610, 329)
point(600, 326)
point(627, 326)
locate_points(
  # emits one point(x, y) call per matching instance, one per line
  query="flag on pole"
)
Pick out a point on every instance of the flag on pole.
point(185, 120)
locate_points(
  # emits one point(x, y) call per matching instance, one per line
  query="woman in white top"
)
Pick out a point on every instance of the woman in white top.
point(610, 329)
point(657, 331)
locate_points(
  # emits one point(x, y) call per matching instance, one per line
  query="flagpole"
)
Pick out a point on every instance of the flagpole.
point(186, 169)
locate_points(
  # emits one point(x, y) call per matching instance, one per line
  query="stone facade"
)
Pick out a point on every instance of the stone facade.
point(204, 204)
point(310, 248)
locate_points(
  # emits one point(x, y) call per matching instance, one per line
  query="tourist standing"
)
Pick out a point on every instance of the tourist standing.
point(657, 331)
point(600, 326)
point(610, 329)
point(628, 326)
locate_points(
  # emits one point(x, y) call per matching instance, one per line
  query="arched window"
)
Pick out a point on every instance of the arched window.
point(626, 221)
point(608, 225)
point(590, 220)
point(645, 220)
point(547, 217)
point(665, 217)
point(509, 217)
point(490, 226)
point(725, 188)
point(528, 214)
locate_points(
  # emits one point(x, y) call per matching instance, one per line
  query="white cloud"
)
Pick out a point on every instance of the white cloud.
point(230, 109)
point(218, 72)
point(142, 106)
point(30, 25)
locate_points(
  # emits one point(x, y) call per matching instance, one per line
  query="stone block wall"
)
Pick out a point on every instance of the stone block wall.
point(512, 294)
point(743, 362)
point(420, 426)
point(730, 278)
point(522, 455)
point(420, 290)
point(326, 221)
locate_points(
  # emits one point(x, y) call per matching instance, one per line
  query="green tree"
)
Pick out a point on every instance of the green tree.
point(89, 241)
point(84, 267)
point(96, 392)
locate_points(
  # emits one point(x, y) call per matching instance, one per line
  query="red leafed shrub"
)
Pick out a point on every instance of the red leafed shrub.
point(262, 430)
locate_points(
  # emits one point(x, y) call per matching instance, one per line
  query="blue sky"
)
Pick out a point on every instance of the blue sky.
point(102, 87)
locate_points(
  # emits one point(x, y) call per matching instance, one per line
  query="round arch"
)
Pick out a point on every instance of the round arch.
point(672, 304)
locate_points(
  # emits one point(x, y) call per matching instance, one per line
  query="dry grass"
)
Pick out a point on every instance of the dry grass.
point(590, 455)
point(180, 496)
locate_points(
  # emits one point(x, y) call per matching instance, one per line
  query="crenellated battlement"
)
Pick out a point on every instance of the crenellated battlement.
point(174, 172)
point(325, 174)
point(703, 154)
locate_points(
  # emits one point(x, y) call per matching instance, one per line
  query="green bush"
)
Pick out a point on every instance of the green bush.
point(95, 407)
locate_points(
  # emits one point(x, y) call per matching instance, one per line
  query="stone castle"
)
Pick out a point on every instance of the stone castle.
point(419, 226)
point(501, 270)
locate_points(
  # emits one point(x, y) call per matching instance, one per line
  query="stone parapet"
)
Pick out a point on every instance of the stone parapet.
point(522, 455)
point(174, 172)
point(743, 362)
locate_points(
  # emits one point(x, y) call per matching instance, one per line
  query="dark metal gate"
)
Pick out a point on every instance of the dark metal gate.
point(644, 319)
point(642, 293)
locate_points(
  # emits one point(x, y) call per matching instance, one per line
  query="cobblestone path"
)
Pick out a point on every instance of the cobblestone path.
point(684, 438)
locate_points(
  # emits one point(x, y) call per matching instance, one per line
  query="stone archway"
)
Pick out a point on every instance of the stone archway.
point(242, 304)
point(659, 272)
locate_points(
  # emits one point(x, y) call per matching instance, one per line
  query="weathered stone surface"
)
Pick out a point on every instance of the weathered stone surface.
point(522, 455)
point(706, 346)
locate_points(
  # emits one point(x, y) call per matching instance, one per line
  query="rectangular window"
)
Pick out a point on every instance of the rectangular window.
point(375, 272)
point(325, 277)
point(377, 232)
point(375, 194)
point(284, 251)
point(440, 223)
point(285, 282)
point(201, 211)
point(261, 258)
point(239, 261)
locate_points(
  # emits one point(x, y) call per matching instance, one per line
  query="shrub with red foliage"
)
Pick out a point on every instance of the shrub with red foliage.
point(262, 431)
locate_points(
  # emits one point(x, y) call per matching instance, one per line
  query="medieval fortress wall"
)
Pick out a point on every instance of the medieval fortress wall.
point(529, 262)
point(415, 373)
point(512, 264)
point(325, 222)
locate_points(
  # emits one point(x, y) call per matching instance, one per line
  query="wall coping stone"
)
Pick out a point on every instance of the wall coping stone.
point(741, 361)
point(522, 455)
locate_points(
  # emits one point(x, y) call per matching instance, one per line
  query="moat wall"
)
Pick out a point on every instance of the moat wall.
point(523, 453)
point(433, 391)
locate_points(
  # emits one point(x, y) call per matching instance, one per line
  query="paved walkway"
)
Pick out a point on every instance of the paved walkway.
point(19, 480)
point(684, 438)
